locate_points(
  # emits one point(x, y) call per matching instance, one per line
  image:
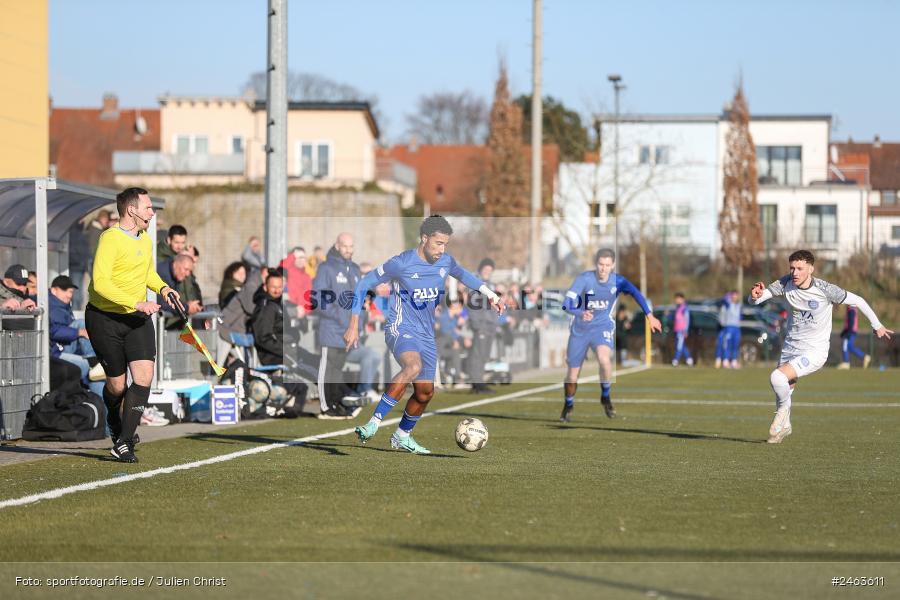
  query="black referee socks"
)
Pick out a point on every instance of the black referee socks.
point(113, 414)
point(136, 397)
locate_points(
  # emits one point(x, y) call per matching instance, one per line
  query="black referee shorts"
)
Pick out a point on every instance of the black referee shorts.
point(120, 339)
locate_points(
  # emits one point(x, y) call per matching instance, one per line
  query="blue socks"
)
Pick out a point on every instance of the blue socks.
point(570, 401)
point(384, 407)
point(407, 423)
point(604, 390)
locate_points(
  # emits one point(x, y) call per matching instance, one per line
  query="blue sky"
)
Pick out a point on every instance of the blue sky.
point(802, 56)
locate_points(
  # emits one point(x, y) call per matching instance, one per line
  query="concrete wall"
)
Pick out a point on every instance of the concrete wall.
point(221, 223)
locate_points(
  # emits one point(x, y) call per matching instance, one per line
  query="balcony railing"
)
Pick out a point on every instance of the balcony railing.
point(159, 163)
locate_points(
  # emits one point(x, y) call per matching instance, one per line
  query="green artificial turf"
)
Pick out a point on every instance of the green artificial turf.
point(681, 476)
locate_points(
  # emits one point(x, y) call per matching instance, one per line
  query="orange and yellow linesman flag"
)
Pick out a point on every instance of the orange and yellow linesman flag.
point(190, 337)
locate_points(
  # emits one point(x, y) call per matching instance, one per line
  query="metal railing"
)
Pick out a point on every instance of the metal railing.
point(21, 357)
point(176, 359)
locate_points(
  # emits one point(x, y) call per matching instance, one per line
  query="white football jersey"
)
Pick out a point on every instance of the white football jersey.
point(809, 324)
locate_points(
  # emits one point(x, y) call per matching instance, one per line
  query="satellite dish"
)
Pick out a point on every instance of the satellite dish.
point(140, 125)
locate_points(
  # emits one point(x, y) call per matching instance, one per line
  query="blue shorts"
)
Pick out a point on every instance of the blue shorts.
point(579, 343)
point(409, 341)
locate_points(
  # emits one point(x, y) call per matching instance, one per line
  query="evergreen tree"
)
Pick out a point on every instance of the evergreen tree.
point(507, 185)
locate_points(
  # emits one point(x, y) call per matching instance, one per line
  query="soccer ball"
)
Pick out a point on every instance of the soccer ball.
point(471, 435)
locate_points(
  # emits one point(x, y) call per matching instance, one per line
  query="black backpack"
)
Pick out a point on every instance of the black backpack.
point(65, 416)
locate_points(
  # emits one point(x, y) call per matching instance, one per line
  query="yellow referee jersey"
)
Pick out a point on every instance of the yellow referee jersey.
point(123, 270)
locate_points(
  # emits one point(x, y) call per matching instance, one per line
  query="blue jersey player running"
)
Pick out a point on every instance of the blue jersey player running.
point(417, 279)
point(592, 301)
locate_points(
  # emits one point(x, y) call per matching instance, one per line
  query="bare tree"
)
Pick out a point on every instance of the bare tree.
point(309, 87)
point(449, 118)
point(739, 225)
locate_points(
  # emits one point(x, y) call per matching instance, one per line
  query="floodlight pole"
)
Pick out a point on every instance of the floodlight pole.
point(276, 133)
point(536, 252)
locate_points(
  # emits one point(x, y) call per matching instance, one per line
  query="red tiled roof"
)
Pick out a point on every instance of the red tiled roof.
point(82, 140)
point(450, 177)
point(883, 160)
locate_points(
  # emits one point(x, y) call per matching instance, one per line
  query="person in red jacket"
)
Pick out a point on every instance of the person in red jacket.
point(298, 282)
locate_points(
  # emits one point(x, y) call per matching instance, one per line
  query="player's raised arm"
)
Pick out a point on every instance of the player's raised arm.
point(474, 283)
point(629, 288)
point(863, 306)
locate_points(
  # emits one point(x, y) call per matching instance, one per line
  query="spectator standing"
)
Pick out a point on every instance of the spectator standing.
point(252, 255)
point(299, 283)
point(232, 281)
point(483, 323)
point(681, 323)
point(848, 340)
point(334, 287)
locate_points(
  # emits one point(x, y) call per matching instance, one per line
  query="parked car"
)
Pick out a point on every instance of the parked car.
point(759, 341)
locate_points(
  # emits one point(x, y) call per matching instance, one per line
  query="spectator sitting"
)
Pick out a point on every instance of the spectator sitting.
point(175, 272)
point(252, 255)
point(175, 243)
point(267, 322)
point(298, 281)
point(190, 283)
point(232, 281)
point(237, 312)
point(31, 286)
point(68, 338)
point(13, 292)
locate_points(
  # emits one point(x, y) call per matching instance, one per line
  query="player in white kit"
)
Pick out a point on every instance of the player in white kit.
point(809, 330)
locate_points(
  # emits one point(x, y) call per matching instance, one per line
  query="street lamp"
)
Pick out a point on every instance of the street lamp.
point(618, 86)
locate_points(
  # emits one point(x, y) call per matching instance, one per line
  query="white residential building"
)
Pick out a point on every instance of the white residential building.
point(670, 172)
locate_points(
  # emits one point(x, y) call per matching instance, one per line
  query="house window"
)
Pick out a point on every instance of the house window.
point(662, 155)
point(237, 144)
point(191, 144)
point(895, 232)
point(676, 221)
point(644, 158)
point(654, 155)
point(314, 159)
point(821, 223)
point(779, 165)
point(889, 197)
point(768, 219)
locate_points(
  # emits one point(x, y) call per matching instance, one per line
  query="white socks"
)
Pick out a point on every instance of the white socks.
point(782, 390)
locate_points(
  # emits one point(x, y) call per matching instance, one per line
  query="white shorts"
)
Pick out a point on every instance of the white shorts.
point(804, 364)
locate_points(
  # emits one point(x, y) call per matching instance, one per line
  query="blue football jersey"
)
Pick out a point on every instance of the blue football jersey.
point(416, 289)
point(589, 293)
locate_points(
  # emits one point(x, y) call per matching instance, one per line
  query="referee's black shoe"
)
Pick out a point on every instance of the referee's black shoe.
point(566, 415)
point(123, 452)
point(608, 407)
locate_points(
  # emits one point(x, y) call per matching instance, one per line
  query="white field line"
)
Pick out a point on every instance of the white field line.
point(721, 402)
point(93, 485)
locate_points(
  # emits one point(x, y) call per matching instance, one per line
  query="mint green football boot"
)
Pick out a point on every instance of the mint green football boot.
point(406, 442)
point(366, 432)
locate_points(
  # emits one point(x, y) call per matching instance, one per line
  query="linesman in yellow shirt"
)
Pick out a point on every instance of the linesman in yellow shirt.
point(118, 320)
